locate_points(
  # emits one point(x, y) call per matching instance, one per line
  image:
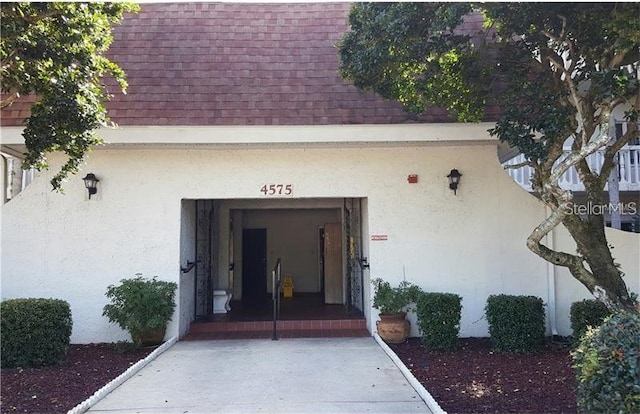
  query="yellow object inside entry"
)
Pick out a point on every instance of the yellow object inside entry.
point(287, 286)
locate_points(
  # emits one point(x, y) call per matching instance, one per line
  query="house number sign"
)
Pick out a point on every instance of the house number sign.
point(276, 189)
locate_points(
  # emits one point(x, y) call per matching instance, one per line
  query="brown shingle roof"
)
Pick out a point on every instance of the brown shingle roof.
point(238, 64)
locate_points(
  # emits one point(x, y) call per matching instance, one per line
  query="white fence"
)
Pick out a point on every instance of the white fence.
point(628, 170)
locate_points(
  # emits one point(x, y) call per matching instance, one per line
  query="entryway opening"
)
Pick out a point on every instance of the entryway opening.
point(237, 243)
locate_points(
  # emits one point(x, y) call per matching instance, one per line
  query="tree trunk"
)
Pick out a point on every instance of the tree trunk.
point(593, 265)
point(605, 278)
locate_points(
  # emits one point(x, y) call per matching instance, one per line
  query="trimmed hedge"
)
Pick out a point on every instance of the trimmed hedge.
point(35, 332)
point(586, 313)
point(516, 323)
point(607, 363)
point(438, 317)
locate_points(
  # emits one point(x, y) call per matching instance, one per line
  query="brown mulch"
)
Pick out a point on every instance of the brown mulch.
point(473, 379)
point(57, 389)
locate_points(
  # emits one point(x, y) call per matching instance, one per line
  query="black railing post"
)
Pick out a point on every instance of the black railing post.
point(275, 295)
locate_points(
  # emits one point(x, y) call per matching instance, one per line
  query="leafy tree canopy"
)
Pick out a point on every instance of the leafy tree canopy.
point(422, 55)
point(557, 70)
point(55, 51)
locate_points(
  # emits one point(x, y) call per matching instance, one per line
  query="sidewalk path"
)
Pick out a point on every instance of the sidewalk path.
point(324, 375)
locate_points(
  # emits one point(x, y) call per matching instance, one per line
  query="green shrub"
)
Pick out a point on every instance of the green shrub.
point(393, 300)
point(439, 319)
point(588, 312)
point(35, 332)
point(516, 323)
point(141, 306)
point(124, 347)
point(607, 363)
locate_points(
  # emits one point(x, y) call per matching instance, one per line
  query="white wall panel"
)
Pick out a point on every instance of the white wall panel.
point(472, 243)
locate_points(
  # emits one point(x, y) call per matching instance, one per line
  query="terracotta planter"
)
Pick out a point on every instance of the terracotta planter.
point(149, 338)
point(393, 329)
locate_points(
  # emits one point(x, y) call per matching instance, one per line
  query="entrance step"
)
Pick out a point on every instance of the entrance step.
point(285, 329)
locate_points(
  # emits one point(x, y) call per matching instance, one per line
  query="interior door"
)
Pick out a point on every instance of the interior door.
point(333, 264)
point(254, 264)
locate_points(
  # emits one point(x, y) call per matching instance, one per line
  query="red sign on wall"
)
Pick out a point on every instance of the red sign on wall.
point(379, 237)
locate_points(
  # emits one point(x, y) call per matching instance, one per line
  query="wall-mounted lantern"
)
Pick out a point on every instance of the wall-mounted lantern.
point(91, 182)
point(454, 180)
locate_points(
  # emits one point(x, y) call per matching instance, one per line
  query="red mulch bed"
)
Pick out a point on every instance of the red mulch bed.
point(474, 379)
point(57, 389)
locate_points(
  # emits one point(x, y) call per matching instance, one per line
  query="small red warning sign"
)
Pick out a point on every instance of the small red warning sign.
point(379, 237)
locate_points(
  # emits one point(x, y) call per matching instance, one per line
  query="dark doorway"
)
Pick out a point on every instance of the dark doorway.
point(254, 265)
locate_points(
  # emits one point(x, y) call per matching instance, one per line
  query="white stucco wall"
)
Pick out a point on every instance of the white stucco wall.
point(472, 243)
point(72, 248)
point(185, 297)
point(626, 251)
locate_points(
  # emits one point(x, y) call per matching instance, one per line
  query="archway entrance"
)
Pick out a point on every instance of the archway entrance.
point(318, 243)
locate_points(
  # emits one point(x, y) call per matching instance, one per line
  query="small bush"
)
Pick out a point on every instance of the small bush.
point(393, 300)
point(607, 363)
point(586, 313)
point(141, 306)
point(35, 332)
point(439, 319)
point(516, 323)
point(124, 347)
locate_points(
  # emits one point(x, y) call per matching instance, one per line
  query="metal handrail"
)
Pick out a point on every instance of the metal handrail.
point(276, 275)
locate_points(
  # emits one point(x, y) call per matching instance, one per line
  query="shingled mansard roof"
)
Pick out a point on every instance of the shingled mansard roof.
point(237, 64)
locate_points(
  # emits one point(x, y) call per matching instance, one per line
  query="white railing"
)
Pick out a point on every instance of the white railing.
point(15, 178)
point(628, 170)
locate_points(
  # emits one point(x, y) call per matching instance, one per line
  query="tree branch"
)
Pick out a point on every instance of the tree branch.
point(562, 38)
point(613, 149)
point(9, 100)
point(42, 15)
point(574, 263)
point(519, 165)
point(559, 62)
point(544, 228)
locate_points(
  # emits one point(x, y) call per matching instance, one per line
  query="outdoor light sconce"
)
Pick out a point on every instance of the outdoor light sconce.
point(454, 180)
point(90, 181)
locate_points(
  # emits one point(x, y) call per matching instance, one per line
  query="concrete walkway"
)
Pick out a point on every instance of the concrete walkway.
point(325, 375)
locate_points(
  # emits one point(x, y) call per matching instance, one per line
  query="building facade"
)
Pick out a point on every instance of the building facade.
point(238, 140)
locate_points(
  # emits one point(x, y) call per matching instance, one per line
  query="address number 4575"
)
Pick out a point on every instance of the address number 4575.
point(276, 189)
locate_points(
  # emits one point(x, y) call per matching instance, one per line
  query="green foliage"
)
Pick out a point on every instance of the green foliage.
point(124, 347)
point(56, 51)
point(607, 363)
point(556, 70)
point(35, 332)
point(417, 54)
point(392, 300)
point(516, 323)
point(439, 319)
point(585, 314)
point(408, 52)
point(139, 305)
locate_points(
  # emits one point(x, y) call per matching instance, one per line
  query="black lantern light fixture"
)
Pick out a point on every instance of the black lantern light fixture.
point(90, 181)
point(454, 180)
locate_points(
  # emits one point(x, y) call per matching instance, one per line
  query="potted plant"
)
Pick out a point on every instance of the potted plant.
point(143, 307)
point(393, 304)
